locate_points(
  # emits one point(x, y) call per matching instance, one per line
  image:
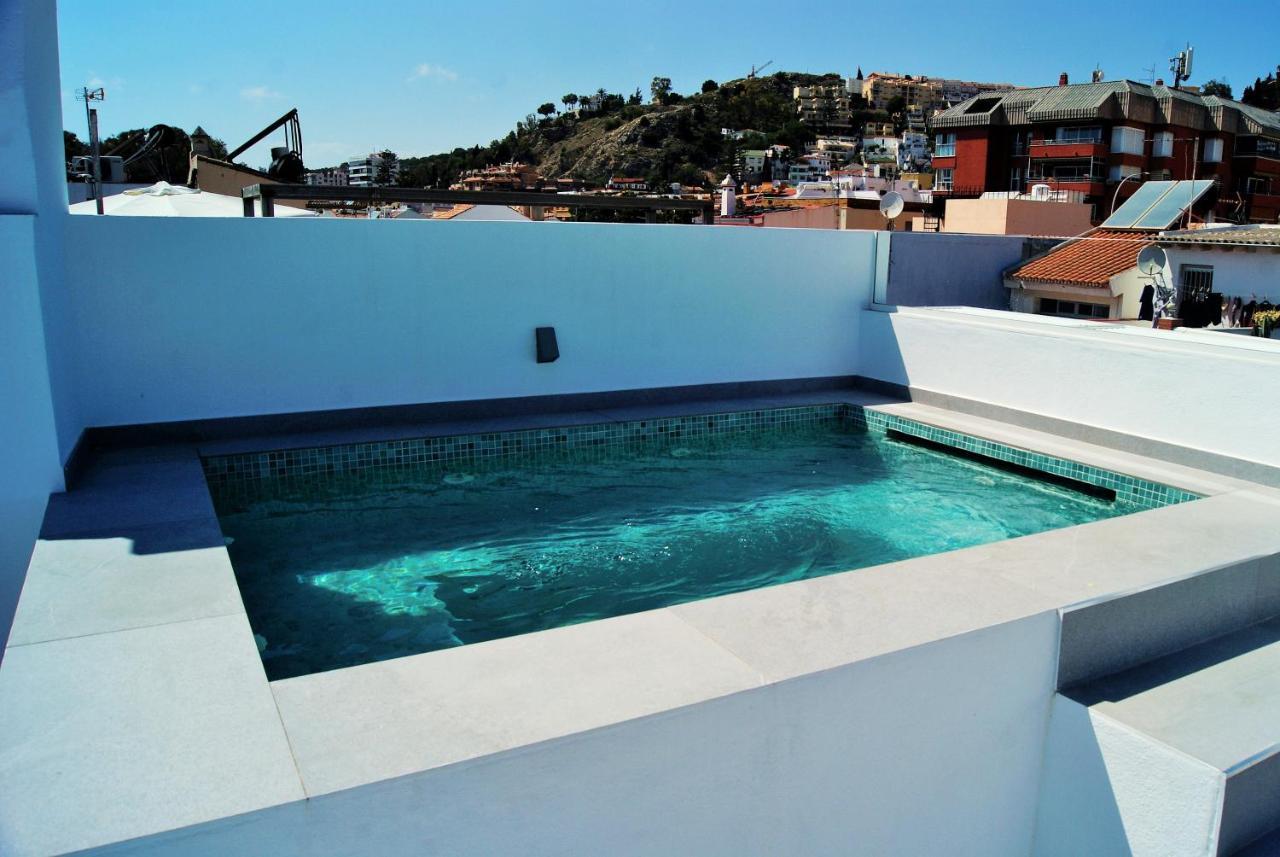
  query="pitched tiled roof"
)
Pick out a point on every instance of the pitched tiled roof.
point(1117, 100)
point(1257, 236)
point(1089, 261)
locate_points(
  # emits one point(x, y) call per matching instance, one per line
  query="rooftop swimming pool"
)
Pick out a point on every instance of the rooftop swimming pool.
point(355, 554)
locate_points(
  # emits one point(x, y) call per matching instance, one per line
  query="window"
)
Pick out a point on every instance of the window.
point(1073, 309)
point(1197, 282)
point(1015, 179)
point(1126, 141)
point(1078, 135)
point(1075, 173)
point(1213, 150)
point(942, 180)
point(945, 145)
point(1122, 171)
point(1162, 146)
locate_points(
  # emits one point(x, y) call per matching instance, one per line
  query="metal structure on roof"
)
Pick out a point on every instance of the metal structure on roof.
point(1157, 205)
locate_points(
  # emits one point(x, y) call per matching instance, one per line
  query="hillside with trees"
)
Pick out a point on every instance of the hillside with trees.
point(667, 138)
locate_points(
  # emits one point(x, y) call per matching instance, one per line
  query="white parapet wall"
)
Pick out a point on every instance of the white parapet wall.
point(1204, 391)
point(184, 318)
point(934, 749)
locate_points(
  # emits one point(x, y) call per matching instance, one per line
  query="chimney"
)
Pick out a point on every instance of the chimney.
point(1062, 79)
point(1159, 81)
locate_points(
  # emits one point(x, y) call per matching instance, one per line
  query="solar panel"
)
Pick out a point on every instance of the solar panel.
point(1171, 206)
point(1147, 195)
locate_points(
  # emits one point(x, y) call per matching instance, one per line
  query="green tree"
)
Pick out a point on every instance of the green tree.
point(1264, 93)
point(569, 100)
point(1220, 88)
point(659, 88)
point(384, 173)
point(709, 86)
point(897, 110)
point(546, 109)
point(73, 146)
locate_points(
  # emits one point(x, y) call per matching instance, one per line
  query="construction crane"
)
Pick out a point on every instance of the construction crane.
point(757, 69)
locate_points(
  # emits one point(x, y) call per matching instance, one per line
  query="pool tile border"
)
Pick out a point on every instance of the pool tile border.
point(242, 471)
point(1129, 489)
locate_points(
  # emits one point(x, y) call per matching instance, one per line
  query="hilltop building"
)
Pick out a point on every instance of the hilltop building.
point(364, 172)
point(328, 177)
point(923, 95)
point(509, 176)
point(827, 107)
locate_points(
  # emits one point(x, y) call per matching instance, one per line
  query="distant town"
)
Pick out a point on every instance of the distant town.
point(797, 150)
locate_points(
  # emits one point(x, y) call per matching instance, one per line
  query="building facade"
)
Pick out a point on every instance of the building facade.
point(922, 95)
point(1091, 138)
point(625, 183)
point(328, 177)
point(828, 107)
point(509, 176)
point(365, 172)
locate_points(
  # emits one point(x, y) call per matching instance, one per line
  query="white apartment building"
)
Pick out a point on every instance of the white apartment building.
point(809, 168)
point(363, 171)
point(913, 149)
point(328, 177)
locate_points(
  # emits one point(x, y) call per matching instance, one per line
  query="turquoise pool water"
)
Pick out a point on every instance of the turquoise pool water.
point(360, 569)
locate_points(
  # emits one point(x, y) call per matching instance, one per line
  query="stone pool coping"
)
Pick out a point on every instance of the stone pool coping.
point(133, 701)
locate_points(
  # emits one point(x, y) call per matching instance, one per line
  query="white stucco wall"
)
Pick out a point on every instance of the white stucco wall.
point(1149, 384)
point(32, 204)
point(180, 318)
point(1237, 272)
point(930, 750)
point(1107, 789)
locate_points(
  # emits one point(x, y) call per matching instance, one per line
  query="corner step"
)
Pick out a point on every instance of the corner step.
point(1177, 756)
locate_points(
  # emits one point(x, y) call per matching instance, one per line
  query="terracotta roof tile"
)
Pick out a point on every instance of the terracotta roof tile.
point(1090, 261)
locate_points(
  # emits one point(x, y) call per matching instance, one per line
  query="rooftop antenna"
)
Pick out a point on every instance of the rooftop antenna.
point(1151, 75)
point(89, 96)
point(1180, 65)
point(1098, 74)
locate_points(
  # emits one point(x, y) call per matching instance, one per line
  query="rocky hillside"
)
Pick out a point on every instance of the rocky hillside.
point(677, 139)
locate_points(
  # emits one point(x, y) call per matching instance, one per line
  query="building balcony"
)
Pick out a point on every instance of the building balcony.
point(1067, 149)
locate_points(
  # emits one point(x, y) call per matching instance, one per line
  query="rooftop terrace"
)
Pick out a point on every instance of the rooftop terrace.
point(1094, 689)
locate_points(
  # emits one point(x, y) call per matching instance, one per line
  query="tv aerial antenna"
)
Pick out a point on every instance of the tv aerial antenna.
point(90, 95)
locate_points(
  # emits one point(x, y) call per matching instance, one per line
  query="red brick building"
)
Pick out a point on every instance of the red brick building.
point(1089, 137)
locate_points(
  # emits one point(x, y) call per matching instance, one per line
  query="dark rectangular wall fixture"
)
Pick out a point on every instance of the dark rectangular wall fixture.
point(548, 350)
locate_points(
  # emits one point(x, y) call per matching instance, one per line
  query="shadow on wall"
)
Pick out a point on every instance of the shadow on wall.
point(1078, 811)
point(936, 269)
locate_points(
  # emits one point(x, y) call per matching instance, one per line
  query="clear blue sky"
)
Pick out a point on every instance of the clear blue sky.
point(427, 76)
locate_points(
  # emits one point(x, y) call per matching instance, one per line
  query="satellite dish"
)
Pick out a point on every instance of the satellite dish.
point(1152, 260)
point(892, 204)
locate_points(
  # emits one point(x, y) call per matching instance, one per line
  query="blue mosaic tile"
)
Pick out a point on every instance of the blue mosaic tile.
point(226, 473)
